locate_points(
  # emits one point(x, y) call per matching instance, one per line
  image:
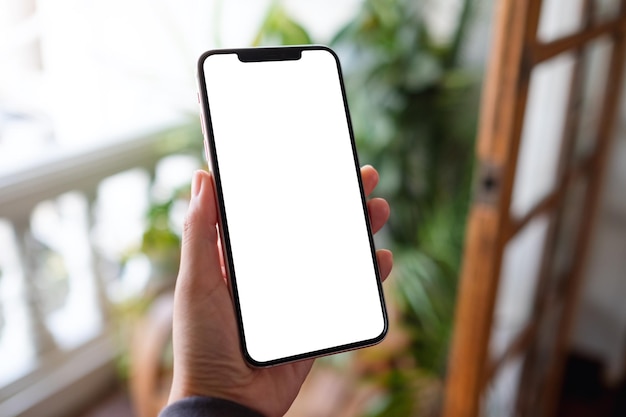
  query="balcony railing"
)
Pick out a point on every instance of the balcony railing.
point(55, 329)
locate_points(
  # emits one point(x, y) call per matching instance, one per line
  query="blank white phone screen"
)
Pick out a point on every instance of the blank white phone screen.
point(301, 252)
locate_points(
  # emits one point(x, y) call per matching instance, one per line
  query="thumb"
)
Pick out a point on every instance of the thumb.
point(199, 264)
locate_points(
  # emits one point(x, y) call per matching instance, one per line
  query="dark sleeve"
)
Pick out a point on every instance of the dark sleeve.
point(207, 407)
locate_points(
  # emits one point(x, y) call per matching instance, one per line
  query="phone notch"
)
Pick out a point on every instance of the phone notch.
point(269, 54)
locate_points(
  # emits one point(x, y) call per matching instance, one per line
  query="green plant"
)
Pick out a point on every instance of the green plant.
point(414, 110)
point(278, 28)
point(159, 242)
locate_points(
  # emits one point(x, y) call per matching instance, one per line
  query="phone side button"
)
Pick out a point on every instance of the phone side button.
point(202, 126)
point(206, 150)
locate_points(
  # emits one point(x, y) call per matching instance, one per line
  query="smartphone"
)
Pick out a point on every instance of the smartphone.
point(294, 225)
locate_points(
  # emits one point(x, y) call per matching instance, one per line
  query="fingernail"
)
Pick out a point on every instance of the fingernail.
point(196, 184)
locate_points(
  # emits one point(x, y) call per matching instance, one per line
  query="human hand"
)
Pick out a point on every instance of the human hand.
point(207, 355)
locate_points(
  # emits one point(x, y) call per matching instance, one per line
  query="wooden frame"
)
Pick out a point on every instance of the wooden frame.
point(515, 54)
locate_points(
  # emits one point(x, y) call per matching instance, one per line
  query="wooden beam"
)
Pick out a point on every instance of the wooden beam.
point(502, 113)
point(552, 200)
point(541, 52)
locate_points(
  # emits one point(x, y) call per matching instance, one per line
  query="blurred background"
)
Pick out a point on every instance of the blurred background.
point(500, 137)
